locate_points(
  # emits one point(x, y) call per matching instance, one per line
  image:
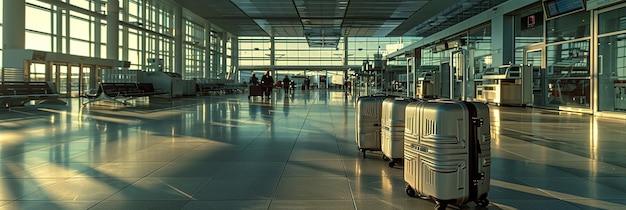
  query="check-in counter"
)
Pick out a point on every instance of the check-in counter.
point(165, 81)
point(428, 85)
point(506, 85)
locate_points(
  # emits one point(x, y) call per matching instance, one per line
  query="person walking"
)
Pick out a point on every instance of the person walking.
point(286, 84)
point(267, 82)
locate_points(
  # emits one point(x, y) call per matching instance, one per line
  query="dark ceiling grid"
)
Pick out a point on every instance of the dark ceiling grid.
point(362, 18)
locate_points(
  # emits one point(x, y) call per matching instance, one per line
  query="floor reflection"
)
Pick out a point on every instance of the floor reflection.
point(206, 151)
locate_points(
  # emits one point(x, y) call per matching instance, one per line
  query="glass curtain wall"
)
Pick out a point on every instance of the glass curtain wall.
point(295, 51)
point(146, 31)
point(611, 63)
point(469, 50)
point(567, 61)
point(254, 51)
point(479, 58)
point(364, 48)
point(194, 50)
point(479, 49)
point(1, 43)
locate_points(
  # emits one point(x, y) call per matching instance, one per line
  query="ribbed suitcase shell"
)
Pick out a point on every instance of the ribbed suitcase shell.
point(439, 149)
point(392, 131)
point(368, 122)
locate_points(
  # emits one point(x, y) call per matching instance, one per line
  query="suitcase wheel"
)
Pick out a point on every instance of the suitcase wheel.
point(385, 158)
point(410, 191)
point(441, 206)
point(392, 163)
point(362, 151)
point(482, 202)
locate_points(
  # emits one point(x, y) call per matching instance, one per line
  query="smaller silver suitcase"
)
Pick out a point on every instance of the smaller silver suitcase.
point(368, 122)
point(392, 132)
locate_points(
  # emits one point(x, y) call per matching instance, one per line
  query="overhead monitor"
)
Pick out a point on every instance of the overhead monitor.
point(556, 8)
point(441, 47)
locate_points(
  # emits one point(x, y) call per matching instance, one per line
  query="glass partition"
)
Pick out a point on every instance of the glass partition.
point(568, 74)
point(569, 27)
point(611, 60)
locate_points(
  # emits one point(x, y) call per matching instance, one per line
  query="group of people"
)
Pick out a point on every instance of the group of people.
point(267, 82)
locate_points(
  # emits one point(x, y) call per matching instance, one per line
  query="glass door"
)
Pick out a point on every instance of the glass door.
point(37, 72)
point(74, 81)
point(60, 74)
point(85, 85)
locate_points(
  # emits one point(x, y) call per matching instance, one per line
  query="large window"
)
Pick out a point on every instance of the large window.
point(194, 50)
point(295, 51)
point(569, 27)
point(146, 30)
point(254, 51)
point(479, 45)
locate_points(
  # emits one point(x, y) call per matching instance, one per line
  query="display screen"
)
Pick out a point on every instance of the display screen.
point(554, 8)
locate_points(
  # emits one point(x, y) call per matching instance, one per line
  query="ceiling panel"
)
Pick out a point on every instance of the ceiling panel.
point(351, 17)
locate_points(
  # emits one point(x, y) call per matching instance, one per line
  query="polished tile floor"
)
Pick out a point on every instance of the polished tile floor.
point(298, 152)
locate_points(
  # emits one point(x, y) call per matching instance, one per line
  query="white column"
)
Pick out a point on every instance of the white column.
point(234, 57)
point(178, 40)
point(224, 54)
point(208, 63)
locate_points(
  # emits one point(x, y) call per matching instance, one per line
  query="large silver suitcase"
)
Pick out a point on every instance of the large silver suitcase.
point(368, 122)
point(447, 151)
point(392, 131)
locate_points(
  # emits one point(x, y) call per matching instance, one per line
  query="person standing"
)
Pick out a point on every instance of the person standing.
point(254, 81)
point(286, 84)
point(307, 83)
point(267, 82)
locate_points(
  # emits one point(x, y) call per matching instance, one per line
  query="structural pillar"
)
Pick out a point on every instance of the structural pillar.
point(13, 35)
point(113, 25)
point(14, 24)
point(502, 40)
point(273, 56)
point(234, 58)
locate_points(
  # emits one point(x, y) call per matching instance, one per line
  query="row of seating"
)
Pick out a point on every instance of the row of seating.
point(19, 93)
point(121, 92)
point(207, 86)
